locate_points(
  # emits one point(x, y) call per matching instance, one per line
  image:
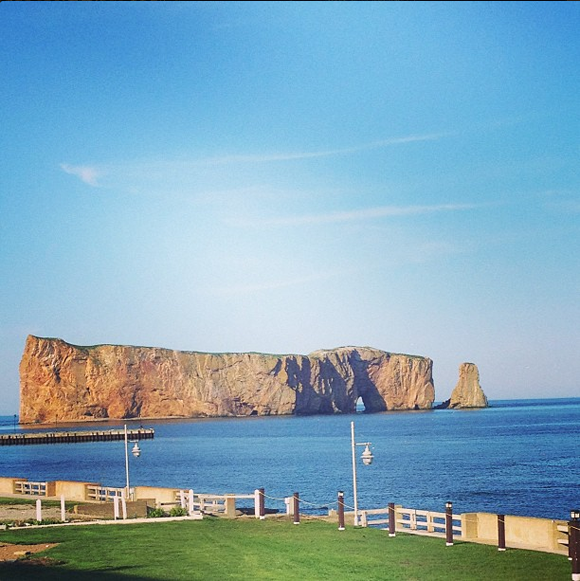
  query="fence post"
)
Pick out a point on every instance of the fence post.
point(501, 532)
point(62, 509)
point(296, 509)
point(182, 498)
point(413, 520)
point(429, 522)
point(116, 507)
point(38, 510)
point(190, 499)
point(392, 520)
point(363, 520)
point(448, 524)
point(124, 507)
point(261, 493)
point(341, 526)
point(574, 543)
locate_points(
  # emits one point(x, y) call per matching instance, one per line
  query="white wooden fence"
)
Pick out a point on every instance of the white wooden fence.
point(32, 488)
point(412, 520)
point(104, 493)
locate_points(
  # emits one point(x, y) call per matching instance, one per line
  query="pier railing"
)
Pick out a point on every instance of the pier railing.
point(74, 437)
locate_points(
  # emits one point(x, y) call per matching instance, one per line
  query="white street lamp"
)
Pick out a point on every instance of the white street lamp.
point(367, 459)
point(136, 451)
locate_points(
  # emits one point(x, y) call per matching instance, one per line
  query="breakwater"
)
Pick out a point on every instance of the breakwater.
point(25, 439)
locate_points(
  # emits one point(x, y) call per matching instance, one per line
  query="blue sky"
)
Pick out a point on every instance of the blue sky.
point(284, 177)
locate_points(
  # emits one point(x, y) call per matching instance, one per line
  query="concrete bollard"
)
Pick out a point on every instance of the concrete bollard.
point(296, 502)
point(501, 532)
point(341, 526)
point(448, 524)
point(392, 520)
point(262, 504)
point(38, 510)
point(190, 498)
point(116, 511)
point(261, 508)
point(62, 508)
point(230, 506)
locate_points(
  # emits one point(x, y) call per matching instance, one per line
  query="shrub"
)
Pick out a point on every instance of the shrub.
point(178, 511)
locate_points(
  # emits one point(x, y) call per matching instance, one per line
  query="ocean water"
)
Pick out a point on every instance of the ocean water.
point(519, 457)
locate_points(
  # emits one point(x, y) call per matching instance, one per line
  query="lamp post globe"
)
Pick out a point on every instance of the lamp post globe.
point(367, 456)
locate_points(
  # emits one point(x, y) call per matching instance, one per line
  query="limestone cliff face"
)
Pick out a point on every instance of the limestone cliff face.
point(64, 382)
point(468, 392)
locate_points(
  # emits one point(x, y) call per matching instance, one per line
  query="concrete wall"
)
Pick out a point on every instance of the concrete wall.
point(7, 484)
point(539, 534)
point(106, 510)
point(161, 495)
point(71, 490)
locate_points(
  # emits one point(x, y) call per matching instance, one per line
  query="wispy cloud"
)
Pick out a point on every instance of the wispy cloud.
point(188, 172)
point(87, 174)
point(356, 215)
point(289, 156)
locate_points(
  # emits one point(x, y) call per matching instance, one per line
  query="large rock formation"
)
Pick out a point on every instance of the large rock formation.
point(467, 392)
point(64, 382)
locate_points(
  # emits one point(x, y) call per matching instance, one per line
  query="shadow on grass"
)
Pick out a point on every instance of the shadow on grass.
point(44, 570)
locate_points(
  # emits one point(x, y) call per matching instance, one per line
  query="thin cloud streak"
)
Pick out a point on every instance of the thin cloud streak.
point(265, 158)
point(357, 215)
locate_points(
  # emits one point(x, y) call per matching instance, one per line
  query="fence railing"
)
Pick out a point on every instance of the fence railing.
point(104, 493)
point(519, 532)
point(516, 532)
point(218, 504)
point(412, 520)
point(32, 488)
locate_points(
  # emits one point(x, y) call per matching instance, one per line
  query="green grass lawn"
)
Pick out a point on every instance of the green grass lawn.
point(45, 503)
point(219, 549)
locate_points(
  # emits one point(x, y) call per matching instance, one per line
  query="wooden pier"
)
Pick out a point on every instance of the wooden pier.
point(29, 438)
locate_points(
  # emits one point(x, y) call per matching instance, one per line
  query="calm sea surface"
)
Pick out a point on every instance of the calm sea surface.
point(519, 457)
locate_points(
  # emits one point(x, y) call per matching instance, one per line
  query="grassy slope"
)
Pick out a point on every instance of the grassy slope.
point(272, 549)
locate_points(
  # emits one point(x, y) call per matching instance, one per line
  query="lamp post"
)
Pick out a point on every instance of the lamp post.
point(574, 543)
point(367, 458)
point(136, 451)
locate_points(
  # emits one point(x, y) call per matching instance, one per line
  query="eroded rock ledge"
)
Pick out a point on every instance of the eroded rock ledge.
point(64, 382)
